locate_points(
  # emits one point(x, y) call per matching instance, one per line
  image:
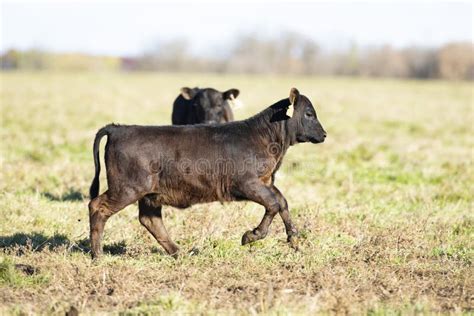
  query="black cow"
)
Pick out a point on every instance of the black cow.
point(185, 165)
point(195, 106)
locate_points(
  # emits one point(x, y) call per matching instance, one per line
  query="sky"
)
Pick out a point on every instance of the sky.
point(129, 28)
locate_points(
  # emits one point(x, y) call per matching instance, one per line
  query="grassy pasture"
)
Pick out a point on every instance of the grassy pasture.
point(384, 206)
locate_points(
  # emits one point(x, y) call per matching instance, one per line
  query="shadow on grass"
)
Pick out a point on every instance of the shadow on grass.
point(38, 241)
point(71, 195)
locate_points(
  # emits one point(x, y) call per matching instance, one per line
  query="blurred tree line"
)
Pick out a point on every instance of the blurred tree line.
point(289, 54)
point(36, 59)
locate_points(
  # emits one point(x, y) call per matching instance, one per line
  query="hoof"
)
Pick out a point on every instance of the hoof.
point(293, 241)
point(248, 237)
point(175, 255)
point(96, 256)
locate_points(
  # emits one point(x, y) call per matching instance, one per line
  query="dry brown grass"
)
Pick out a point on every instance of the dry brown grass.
point(384, 206)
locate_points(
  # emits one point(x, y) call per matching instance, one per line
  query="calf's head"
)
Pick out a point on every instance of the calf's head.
point(304, 123)
point(209, 104)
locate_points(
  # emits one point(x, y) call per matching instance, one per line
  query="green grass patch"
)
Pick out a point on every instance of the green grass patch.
point(17, 275)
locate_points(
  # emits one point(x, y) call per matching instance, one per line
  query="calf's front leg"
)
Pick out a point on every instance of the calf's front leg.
point(257, 192)
point(290, 228)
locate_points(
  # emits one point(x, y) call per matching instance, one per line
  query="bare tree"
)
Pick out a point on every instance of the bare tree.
point(456, 61)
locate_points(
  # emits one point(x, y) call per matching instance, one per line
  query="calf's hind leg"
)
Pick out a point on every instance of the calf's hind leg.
point(150, 217)
point(100, 210)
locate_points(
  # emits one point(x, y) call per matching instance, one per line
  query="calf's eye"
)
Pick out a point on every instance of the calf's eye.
point(308, 115)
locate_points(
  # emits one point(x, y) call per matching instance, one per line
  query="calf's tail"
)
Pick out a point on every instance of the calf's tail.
point(94, 189)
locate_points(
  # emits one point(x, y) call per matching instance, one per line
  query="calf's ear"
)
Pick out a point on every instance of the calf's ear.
point(188, 93)
point(231, 94)
point(294, 95)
